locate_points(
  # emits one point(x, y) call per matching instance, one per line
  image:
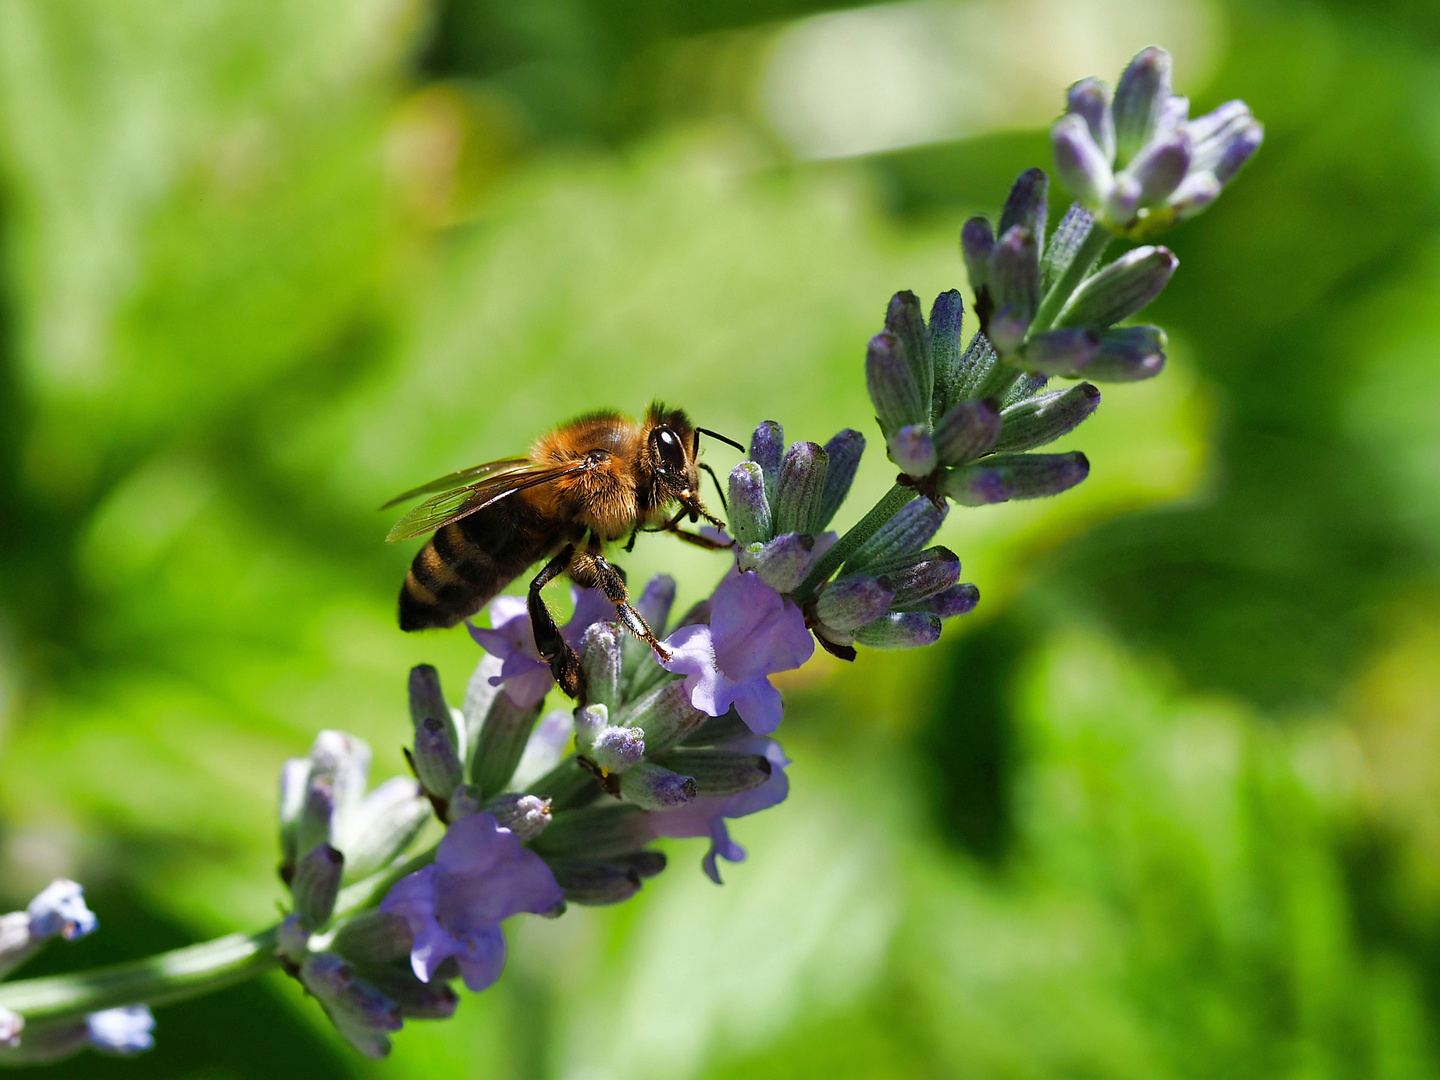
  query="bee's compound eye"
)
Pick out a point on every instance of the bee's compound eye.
point(668, 446)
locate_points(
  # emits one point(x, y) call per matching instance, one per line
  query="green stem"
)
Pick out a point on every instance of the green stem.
point(180, 974)
point(862, 530)
point(156, 980)
point(1090, 249)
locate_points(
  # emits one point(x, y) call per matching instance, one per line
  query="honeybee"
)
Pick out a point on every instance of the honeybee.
point(587, 483)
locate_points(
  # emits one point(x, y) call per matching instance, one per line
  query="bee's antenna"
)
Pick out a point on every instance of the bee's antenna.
point(722, 438)
point(718, 489)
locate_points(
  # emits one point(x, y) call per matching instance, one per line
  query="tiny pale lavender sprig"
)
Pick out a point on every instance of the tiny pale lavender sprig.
point(525, 677)
point(123, 1031)
point(707, 816)
point(454, 907)
point(753, 633)
point(60, 909)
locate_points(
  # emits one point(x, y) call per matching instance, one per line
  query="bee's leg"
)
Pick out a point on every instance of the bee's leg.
point(630, 544)
point(592, 571)
point(698, 540)
point(553, 649)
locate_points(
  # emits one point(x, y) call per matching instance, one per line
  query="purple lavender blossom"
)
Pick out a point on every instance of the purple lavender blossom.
point(525, 677)
point(706, 816)
point(481, 876)
point(753, 632)
point(121, 1031)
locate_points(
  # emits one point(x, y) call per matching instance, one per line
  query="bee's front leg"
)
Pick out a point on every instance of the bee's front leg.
point(590, 570)
point(553, 649)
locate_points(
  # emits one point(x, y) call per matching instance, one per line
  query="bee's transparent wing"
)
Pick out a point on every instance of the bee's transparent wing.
point(450, 506)
point(455, 480)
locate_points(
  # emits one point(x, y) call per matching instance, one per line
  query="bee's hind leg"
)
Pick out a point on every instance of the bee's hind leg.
point(590, 570)
point(553, 649)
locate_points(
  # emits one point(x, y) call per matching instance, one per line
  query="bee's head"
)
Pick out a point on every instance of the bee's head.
point(670, 460)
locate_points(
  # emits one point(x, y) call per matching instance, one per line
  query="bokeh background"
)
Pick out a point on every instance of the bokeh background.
point(1167, 805)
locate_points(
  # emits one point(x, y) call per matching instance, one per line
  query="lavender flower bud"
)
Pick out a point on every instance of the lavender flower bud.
point(595, 882)
point(1197, 192)
point(665, 715)
point(977, 244)
point(909, 530)
point(900, 630)
point(976, 366)
point(890, 383)
point(1173, 113)
point(436, 764)
point(749, 505)
point(1090, 100)
point(502, 741)
point(292, 938)
point(600, 658)
point(1059, 352)
point(718, 772)
point(1140, 97)
point(1120, 289)
point(904, 319)
point(946, 349)
point(480, 694)
point(1160, 167)
point(590, 720)
point(1128, 354)
point(600, 831)
point(123, 1031)
point(1025, 205)
point(464, 801)
point(767, 446)
point(294, 782)
point(782, 562)
point(844, 452)
point(800, 488)
point(1015, 476)
point(434, 1000)
point(913, 450)
point(848, 602)
point(1015, 273)
point(359, 1011)
point(1040, 420)
point(315, 820)
point(427, 702)
point(344, 761)
point(373, 937)
point(966, 431)
point(1074, 227)
point(59, 909)
point(1082, 164)
point(386, 823)
point(650, 787)
point(1224, 139)
point(956, 600)
point(919, 574)
point(316, 884)
point(615, 749)
point(527, 816)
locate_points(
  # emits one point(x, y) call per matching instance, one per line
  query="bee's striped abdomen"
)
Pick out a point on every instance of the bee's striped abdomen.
point(463, 566)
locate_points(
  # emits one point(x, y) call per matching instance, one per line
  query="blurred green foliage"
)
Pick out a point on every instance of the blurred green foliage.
point(1167, 805)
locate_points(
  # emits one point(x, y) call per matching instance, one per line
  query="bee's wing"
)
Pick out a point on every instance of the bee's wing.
point(450, 506)
point(455, 480)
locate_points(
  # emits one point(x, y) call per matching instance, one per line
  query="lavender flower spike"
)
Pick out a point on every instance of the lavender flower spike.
point(706, 816)
point(753, 632)
point(525, 677)
point(481, 876)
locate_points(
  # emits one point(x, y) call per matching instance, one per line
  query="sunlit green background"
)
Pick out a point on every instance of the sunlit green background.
point(1166, 805)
